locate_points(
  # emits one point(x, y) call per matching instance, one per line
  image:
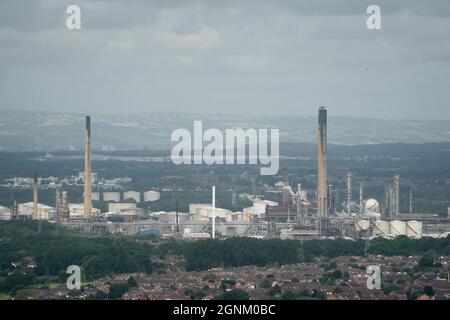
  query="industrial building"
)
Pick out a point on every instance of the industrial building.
point(88, 172)
point(5, 213)
point(37, 211)
point(132, 195)
point(111, 196)
point(301, 214)
point(76, 211)
point(119, 207)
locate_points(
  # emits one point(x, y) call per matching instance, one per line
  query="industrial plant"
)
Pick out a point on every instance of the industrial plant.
point(299, 215)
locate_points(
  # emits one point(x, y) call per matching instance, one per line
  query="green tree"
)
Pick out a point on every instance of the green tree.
point(303, 293)
point(427, 261)
point(429, 291)
point(18, 280)
point(288, 295)
point(117, 290)
point(318, 294)
point(266, 284)
point(132, 282)
point(337, 290)
point(199, 295)
point(331, 266)
point(275, 290)
point(235, 294)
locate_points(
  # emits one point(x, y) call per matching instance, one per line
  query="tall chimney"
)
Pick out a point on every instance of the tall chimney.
point(213, 212)
point(286, 177)
point(411, 200)
point(87, 172)
point(35, 198)
point(349, 192)
point(65, 215)
point(396, 194)
point(15, 210)
point(177, 220)
point(286, 196)
point(361, 198)
point(58, 195)
point(322, 202)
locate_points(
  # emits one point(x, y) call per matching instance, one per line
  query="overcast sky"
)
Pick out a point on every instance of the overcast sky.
point(255, 56)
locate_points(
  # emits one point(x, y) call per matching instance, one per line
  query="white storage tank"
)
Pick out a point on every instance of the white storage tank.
point(5, 213)
point(233, 230)
point(151, 196)
point(381, 227)
point(193, 207)
point(44, 211)
point(372, 205)
point(111, 196)
point(398, 228)
point(205, 211)
point(76, 210)
point(414, 229)
point(249, 211)
point(119, 207)
point(259, 208)
point(237, 216)
point(132, 195)
point(171, 217)
point(362, 225)
point(135, 211)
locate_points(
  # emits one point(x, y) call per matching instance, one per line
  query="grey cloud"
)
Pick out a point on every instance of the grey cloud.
point(239, 56)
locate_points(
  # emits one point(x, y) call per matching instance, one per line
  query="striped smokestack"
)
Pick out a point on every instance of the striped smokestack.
point(88, 172)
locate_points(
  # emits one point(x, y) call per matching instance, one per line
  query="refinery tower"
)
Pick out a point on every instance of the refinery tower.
point(88, 172)
point(322, 165)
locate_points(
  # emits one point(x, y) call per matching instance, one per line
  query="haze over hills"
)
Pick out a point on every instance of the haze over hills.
point(50, 131)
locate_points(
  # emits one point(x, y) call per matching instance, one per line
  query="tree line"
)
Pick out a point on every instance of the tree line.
point(111, 254)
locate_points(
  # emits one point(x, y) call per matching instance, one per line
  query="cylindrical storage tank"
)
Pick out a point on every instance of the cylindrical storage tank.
point(398, 228)
point(111, 196)
point(229, 231)
point(202, 212)
point(136, 211)
point(171, 217)
point(219, 212)
point(151, 196)
point(239, 216)
point(362, 225)
point(259, 208)
point(194, 206)
point(381, 227)
point(119, 207)
point(372, 205)
point(414, 229)
point(132, 195)
point(129, 217)
point(247, 216)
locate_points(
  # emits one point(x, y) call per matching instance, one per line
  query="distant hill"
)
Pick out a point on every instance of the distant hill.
point(49, 131)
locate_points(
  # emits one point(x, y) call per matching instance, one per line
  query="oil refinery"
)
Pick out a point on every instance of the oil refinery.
point(299, 215)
